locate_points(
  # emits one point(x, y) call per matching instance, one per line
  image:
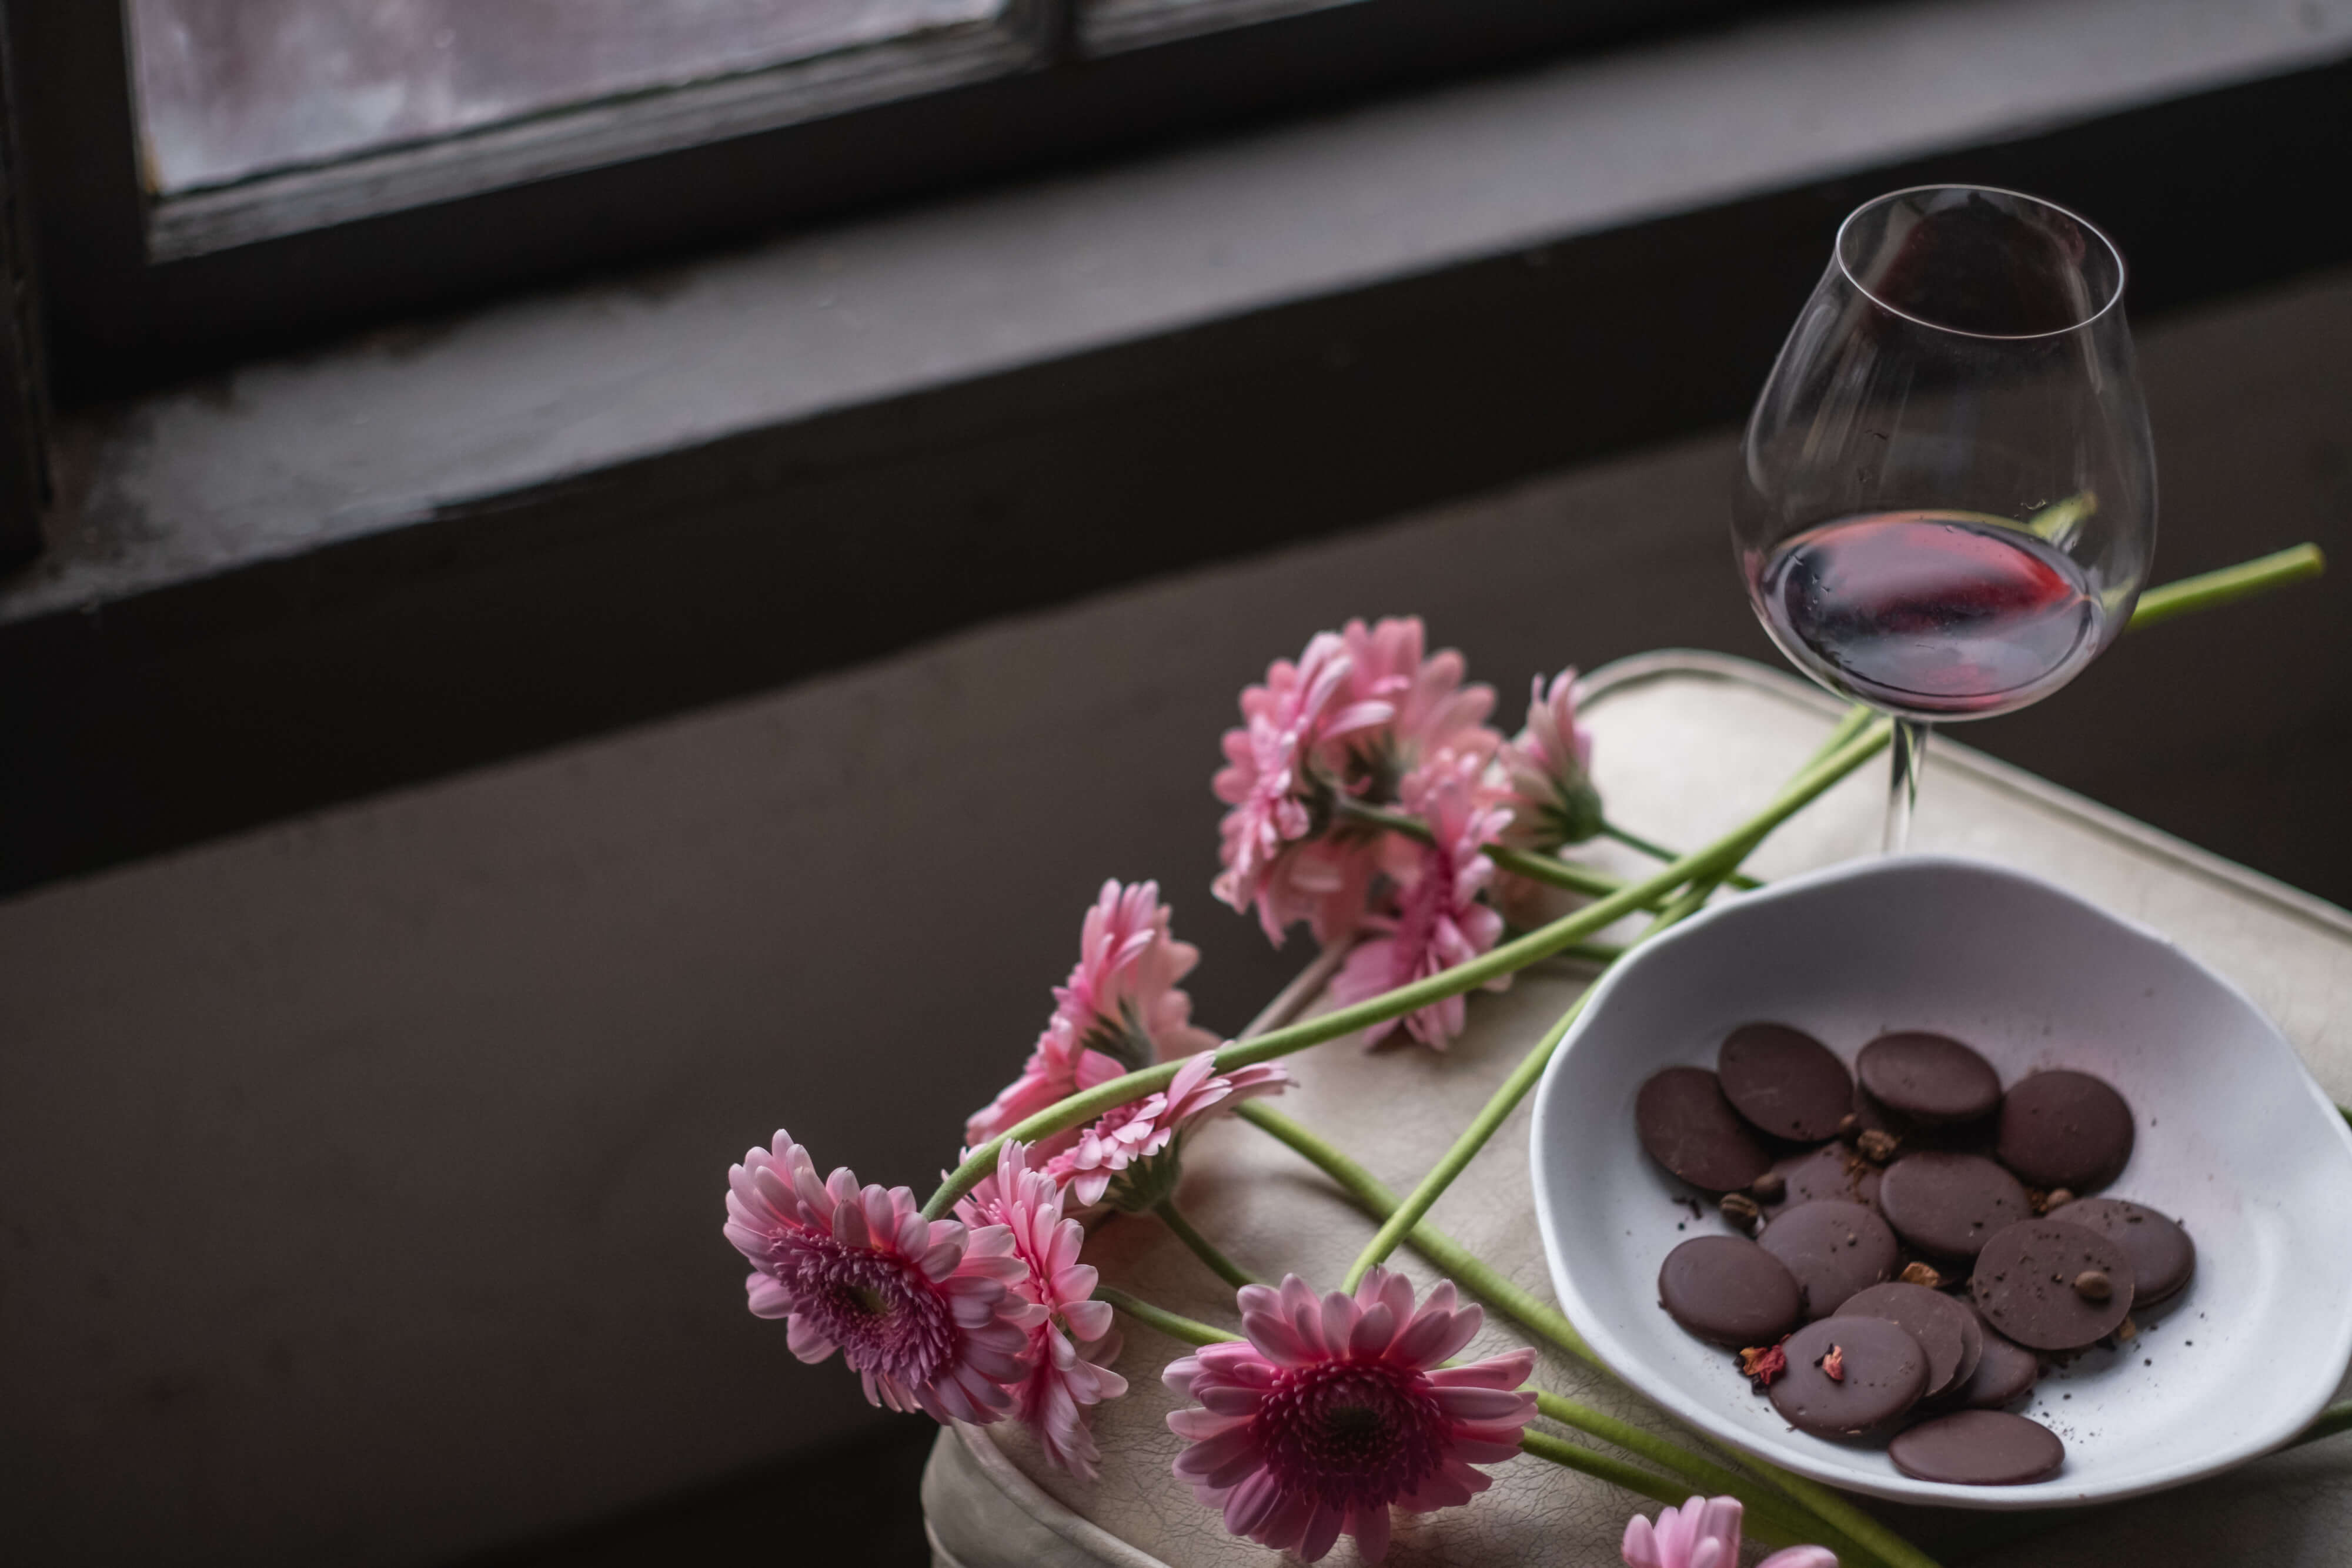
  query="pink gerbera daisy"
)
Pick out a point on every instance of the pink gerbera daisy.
point(1071, 1350)
point(1548, 771)
point(1336, 1409)
point(1270, 779)
point(1324, 882)
point(1119, 1009)
point(1705, 1533)
point(1138, 1145)
point(1433, 711)
point(923, 1309)
point(1436, 921)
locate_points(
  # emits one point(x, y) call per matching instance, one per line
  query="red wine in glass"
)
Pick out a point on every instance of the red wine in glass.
point(1929, 614)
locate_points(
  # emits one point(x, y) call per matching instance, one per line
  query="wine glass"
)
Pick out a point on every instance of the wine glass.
point(1946, 497)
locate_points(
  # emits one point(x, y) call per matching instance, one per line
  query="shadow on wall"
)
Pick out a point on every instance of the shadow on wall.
point(362, 1177)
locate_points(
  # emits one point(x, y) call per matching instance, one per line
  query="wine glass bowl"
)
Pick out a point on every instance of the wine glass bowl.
point(1946, 505)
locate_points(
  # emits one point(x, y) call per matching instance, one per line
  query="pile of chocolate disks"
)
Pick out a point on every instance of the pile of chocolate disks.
point(1926, 1238)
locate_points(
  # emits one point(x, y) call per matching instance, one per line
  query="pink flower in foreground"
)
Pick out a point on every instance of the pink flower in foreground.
point(1548, 771)
point(1119, 1010)
point(1337, 1408)
point(1437, 921)
point(1070, 1351)
point(1139, 1144)
point(1705, 1533)
point(923, 1309)
point(1433, 710)
point(1269, 779)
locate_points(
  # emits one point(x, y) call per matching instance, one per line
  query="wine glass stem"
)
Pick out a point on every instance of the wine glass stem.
point(1910, 754)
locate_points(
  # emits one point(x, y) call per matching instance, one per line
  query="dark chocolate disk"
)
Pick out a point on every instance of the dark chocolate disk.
point(1972, 1350)
point(2025, 1284)
point(2065, 1129)
point(1959, 1137)
point(1833, 1170)
point(1785, 1081)
point(1938, 1322)
point(2162, 1256)
point(1728, 1289)
point(1691, 1129)
point(1978, 1449)
point(1949, 1205)
point(2005, 1373)
point(1833, 1247)
point(1882, 1372)
point(1930, 1078)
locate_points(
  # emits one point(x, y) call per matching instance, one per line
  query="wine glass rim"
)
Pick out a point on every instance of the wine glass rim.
point(1837, 254)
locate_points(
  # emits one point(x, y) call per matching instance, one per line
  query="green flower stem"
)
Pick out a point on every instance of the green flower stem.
point(2334, 1419)
point(1404, 1217)
point(1184, 1330)
point(1224, 1268)
point(1617, 1472)
point(1460, 1264)
point(1181, 1329)
point(1851, 723)
point(1716, 858)
point(1548, 868)
point(2208, 590)
point(1740, 880)
point(1696, 1471)
point(1499, 1107)
point(2059, 519)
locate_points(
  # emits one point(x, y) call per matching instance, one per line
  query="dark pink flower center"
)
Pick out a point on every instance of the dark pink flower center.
point(1352, 1433)
point(882, 1313)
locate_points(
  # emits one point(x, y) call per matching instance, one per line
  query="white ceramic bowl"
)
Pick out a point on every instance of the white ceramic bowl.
point(2233, 1138)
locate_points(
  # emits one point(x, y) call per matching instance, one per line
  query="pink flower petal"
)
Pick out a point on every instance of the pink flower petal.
point(1302, 1385)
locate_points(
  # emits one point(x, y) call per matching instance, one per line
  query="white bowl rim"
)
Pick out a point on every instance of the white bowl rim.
point(1617, 1357)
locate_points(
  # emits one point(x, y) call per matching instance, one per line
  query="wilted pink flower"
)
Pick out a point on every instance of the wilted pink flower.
point(1119, 1010)
point(1437, 921)
point(1140, 1143)
point(1548, 771)
point(1433, 710)
point(923, 1309)
point(1336, 1409)
point(1705, 1533)
point(1070, 1351)
point(1269, 777)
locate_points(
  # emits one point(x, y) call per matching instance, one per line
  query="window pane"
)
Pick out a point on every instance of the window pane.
point(232, 87)
point(1108, 26)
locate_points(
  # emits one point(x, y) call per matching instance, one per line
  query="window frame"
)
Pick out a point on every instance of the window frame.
point(140, 291)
